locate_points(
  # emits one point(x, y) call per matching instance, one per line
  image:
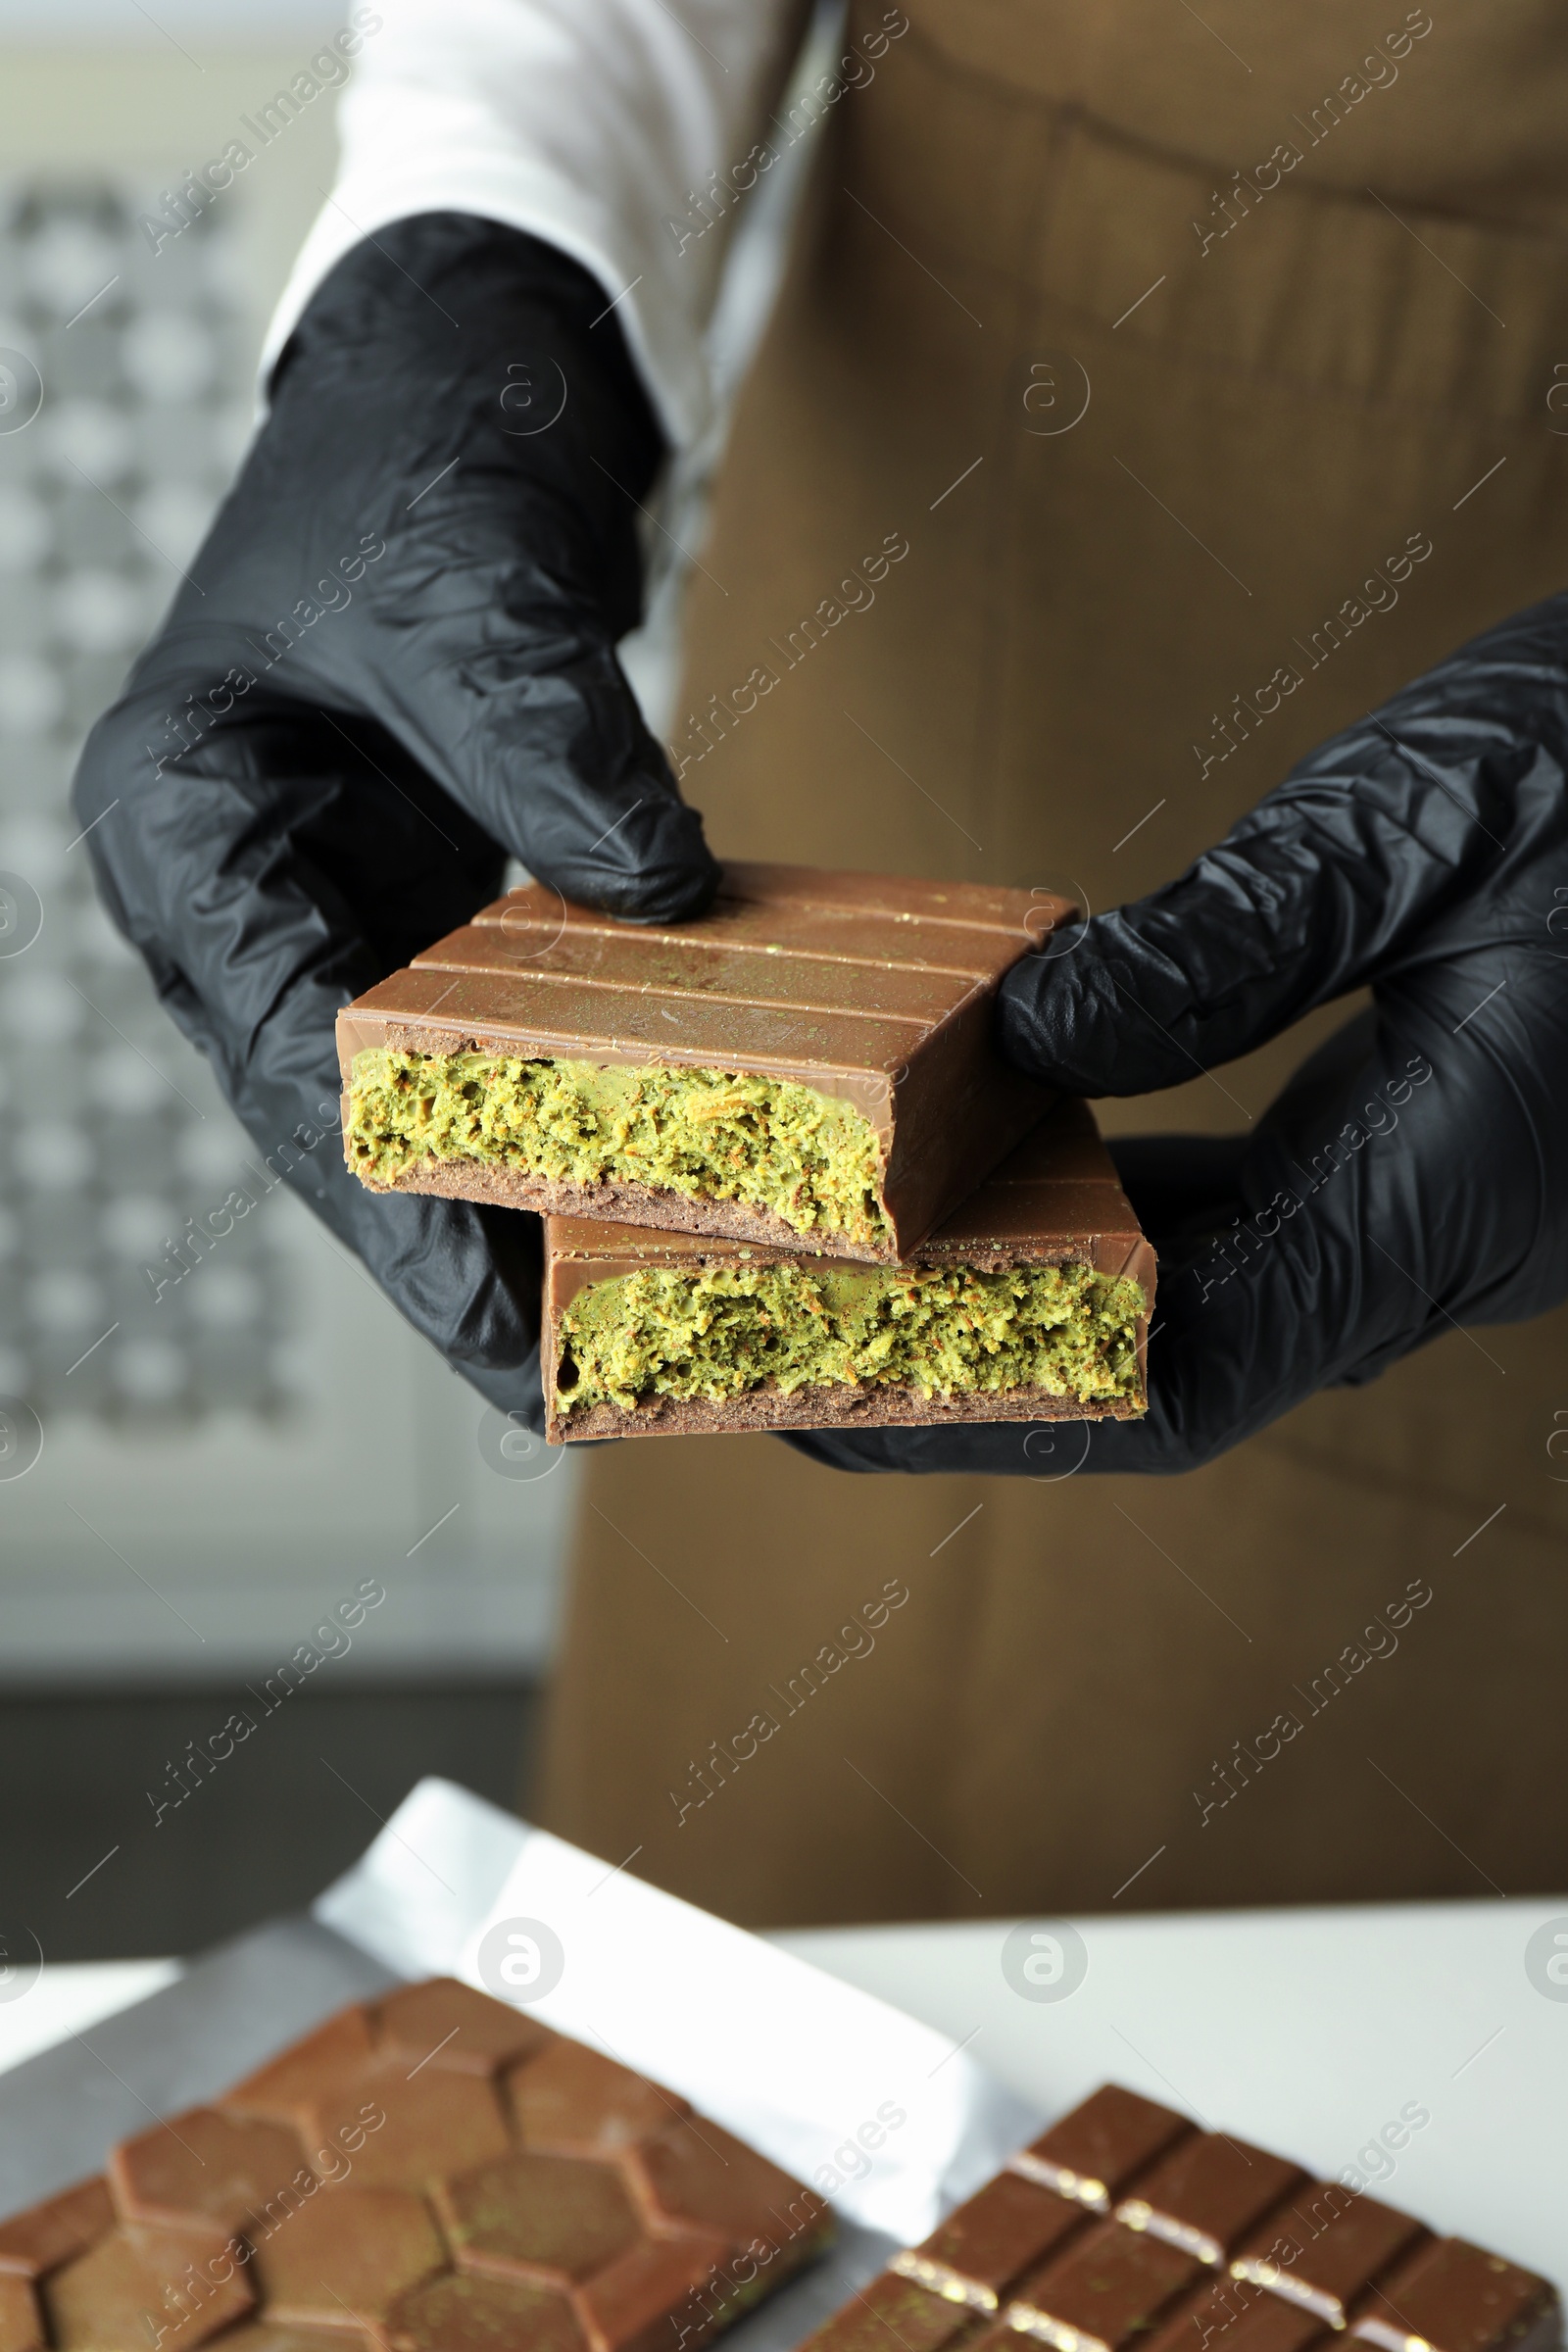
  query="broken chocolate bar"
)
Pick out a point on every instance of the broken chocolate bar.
point(1030, 1303)
point(810, 1063)
point(428, 2173)
point(1125, 2226)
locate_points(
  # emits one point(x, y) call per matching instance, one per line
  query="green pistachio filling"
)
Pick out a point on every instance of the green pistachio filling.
point(947, 1331)
point(714, 1135)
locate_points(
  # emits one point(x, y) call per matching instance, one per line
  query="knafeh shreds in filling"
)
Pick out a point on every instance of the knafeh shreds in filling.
point(813, 1159)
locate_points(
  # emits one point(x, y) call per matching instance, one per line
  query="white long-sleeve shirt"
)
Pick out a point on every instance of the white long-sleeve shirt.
point(596, 124)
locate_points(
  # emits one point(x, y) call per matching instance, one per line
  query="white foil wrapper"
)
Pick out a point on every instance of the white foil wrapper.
point(892, 2122)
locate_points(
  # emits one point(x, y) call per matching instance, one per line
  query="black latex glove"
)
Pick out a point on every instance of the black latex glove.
point(1414, 1175)
point(393, 663)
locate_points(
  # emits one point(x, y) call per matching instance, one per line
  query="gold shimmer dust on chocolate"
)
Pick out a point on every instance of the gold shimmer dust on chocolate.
point(1031, 1302)
point(429, 2172)
point(809, 1064)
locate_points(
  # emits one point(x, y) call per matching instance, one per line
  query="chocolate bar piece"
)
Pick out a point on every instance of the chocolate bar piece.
point(1157, 2235)
point(1452, 2297)
point(172, 2286)
point(1236, 2317)
point(986, 2246)
point(49, 2235)
point(896, 2314)
point(1106, 2290)
point(809, 1064)
point(1092, 2154)
point(428, 2173)
point(1325, 2248)
point(20, 2320)
point(1030, 1303)
point(1208, 2192)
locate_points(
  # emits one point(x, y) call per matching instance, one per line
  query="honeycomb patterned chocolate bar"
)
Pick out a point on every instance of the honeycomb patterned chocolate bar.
point(1126, 2226)
point(429, 2172)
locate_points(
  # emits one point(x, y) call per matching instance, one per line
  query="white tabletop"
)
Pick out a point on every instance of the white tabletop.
point(1303, 2030)
point(1311, 2032)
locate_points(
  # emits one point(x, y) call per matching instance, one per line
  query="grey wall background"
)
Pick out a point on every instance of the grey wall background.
point(215, 22)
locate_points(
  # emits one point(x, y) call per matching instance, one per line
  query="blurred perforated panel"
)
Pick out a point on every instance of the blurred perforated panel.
point(202, 1449)
point(114, 1146)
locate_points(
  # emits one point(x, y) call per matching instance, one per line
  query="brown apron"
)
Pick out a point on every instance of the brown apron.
point(1311, 285)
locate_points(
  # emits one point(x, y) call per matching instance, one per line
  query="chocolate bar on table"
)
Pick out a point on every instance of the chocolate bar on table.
point(433, 2172)
point(811, 1064)
point(1127, 2227)
point(1030, 1303)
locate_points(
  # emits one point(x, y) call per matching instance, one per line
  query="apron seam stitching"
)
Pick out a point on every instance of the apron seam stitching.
point(1096, 126)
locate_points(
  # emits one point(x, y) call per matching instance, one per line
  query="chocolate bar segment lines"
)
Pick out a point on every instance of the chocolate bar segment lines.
point(1092, 2154)
point(1126, 2228)
point(897, 2313)
point(1104, 2293)
point(1325, 2248)
point(47, 2235)
point(1452, 2297)
point(1234, 2316)
point(987, 2245)
point(811, 1062)
point(1206, 2192)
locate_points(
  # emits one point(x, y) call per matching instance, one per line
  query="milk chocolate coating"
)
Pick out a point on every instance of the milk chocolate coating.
point(348, 2255)
point(1239, 2317)
point(893, 2315)
point(49, 2235)
point(876, 990)
point(1459, 2299)
point(1055, 1201)
point(20, 2320)
point(1208, 2192)
point(103, 2298)
point(1325, 2247)
point(984, 2248)
point(1110, 2285)
point(217, 2167)
point(1092, 2154)
point(1186, 2257)
point(428, 2173)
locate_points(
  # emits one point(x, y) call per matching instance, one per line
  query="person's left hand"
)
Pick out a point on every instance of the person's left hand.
point(1414, 1174)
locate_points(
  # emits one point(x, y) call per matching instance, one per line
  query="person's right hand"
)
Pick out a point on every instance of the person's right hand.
point(393, 663)
point(1412, 1177)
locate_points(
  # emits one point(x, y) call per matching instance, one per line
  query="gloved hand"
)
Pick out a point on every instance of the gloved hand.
point(1414, 1174)
point(392, 663)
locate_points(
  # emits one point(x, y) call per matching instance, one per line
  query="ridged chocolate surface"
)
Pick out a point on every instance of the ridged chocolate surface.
point(1125, 2226)
point(873, 989)
point(428, 2173)
point(1055, 1201)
